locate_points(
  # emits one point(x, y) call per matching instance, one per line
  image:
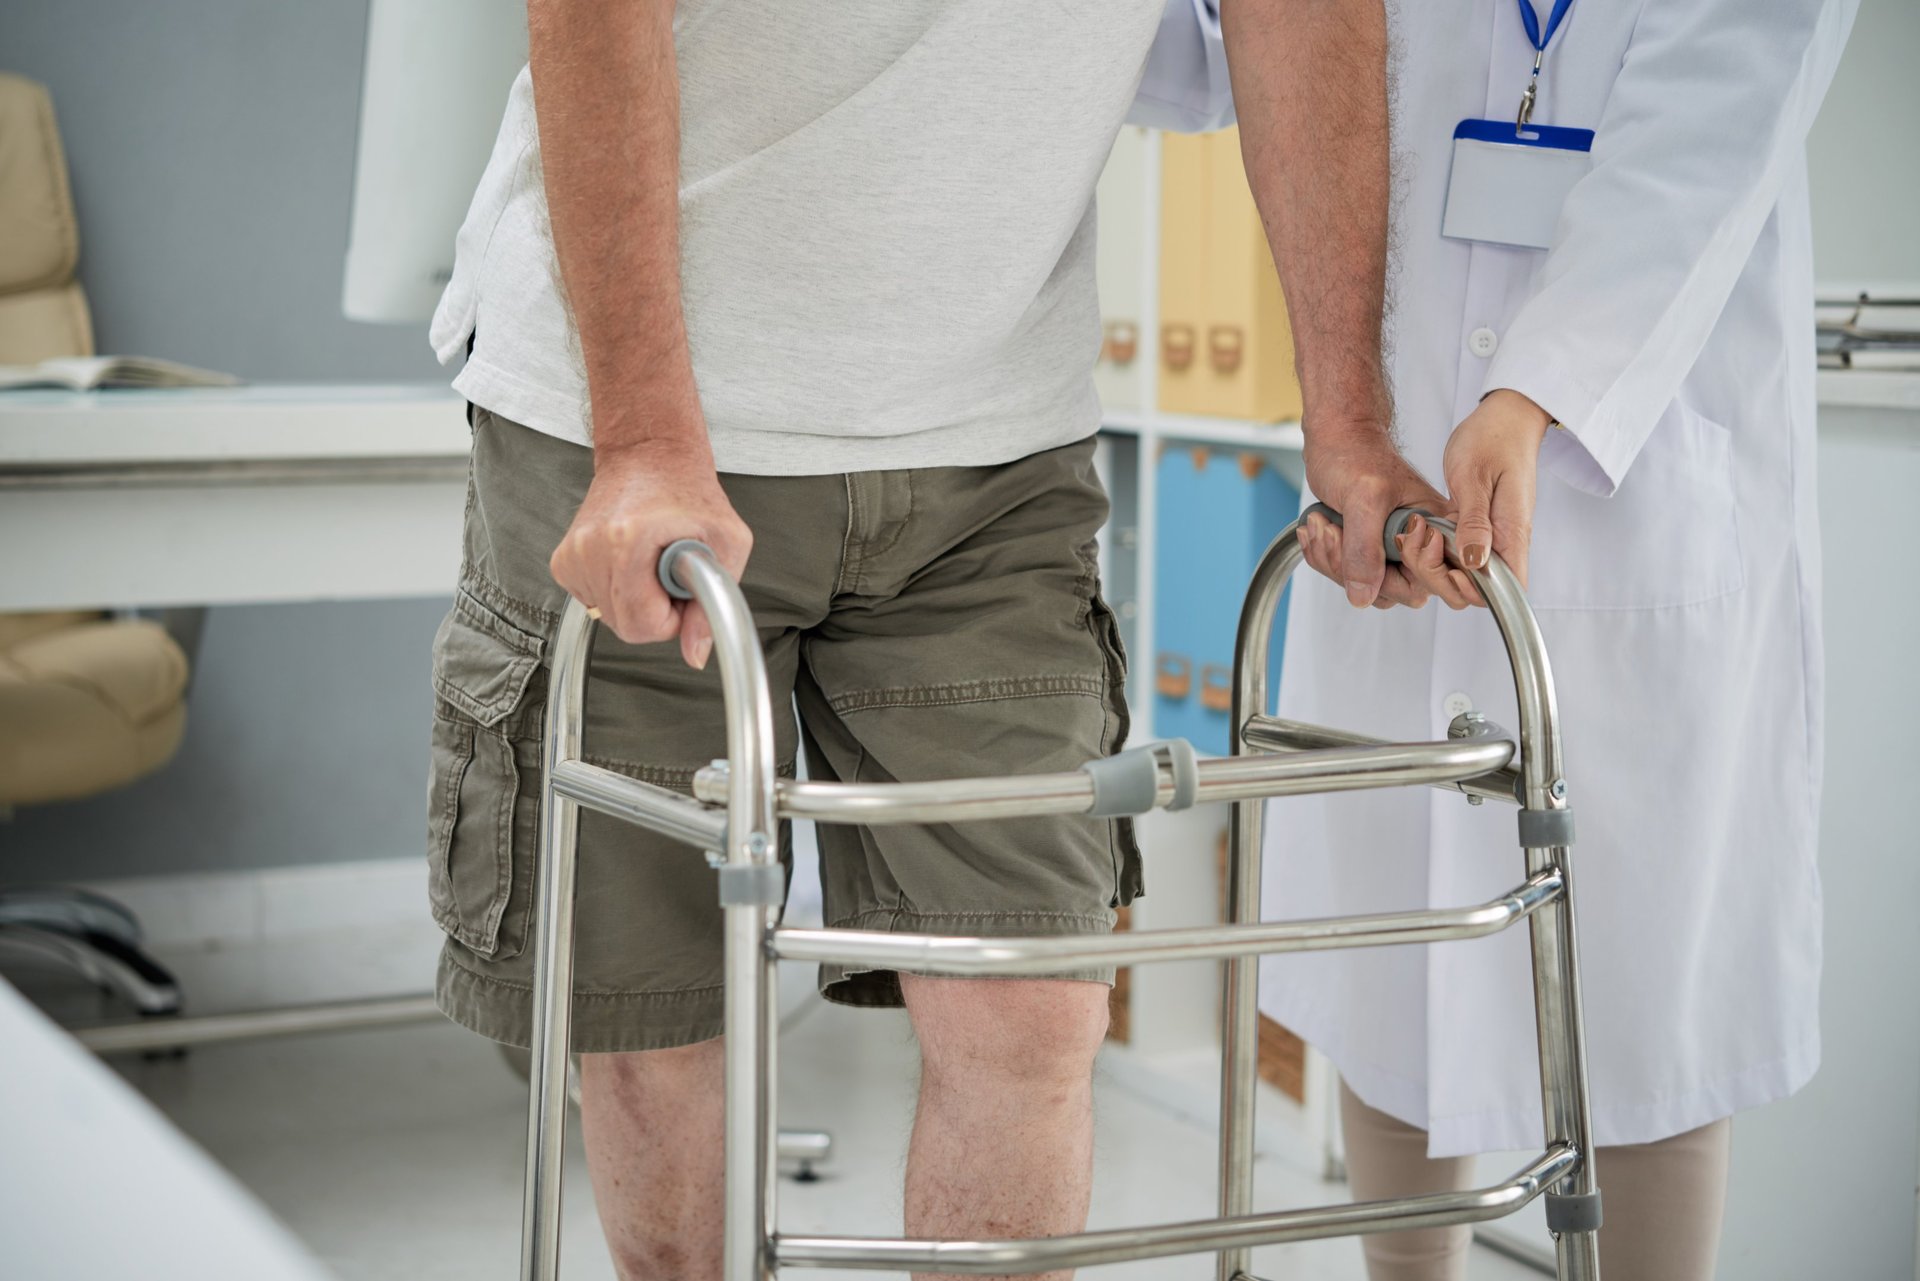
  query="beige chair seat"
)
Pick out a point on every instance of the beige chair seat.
point(86, 703)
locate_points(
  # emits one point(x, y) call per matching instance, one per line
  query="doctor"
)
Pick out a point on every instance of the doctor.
point(1603, 349)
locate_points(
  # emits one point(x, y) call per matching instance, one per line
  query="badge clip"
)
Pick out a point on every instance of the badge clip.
point(1526, 99)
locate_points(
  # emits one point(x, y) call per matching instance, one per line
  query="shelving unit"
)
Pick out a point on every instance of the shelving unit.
point(1174, 1014)
point(1197, 430)
point(1131, 446)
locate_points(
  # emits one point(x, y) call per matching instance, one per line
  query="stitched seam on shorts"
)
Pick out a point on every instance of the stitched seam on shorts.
point(489, 593)
point(1089, 585)
point(503, 806)
point(980, 691)
point(661, 996)
point(899, 526)
point(887, 917)
point(1107, 728)
point(679, 780)
point(849, 576)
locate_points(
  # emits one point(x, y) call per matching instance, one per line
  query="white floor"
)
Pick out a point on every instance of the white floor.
point(396, 1153)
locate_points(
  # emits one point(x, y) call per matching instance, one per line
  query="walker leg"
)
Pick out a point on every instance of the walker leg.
point(1240, 1034)
point(752, 1132)
point(553, 957)
point(1240, 1009)
point(1239, 1059)
point(752, 887)
point(1573, 1208)
point(552, 1026)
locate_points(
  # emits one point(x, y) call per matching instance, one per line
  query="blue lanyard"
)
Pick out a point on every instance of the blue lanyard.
point(1539, 40)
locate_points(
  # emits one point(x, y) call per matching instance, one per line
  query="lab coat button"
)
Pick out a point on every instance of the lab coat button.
point(1456, 704)
point(1483, 342)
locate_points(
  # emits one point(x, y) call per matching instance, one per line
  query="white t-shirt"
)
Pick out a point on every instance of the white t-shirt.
point(886, 229)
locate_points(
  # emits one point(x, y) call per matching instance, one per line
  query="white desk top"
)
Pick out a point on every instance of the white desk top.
point(228, 495)
point(297, 421)
point(231, 424)
point(96, 1183)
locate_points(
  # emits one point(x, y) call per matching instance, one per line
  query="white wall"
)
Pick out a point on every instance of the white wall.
point(1824, 1183)
point(1864, 155)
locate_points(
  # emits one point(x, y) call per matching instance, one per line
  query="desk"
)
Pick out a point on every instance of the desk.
point(98, 1184)
point(226, 495)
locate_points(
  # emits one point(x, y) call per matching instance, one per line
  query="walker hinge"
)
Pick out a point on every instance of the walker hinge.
point(1573, 1212)
point(1540, 829)
point(752, 885)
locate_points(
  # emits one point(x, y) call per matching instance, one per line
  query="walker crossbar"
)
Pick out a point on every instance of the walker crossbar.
point(1271, 757)
point(1275, 734)
point(1089, 1249)
point(1050, 954)
point(1226, 778)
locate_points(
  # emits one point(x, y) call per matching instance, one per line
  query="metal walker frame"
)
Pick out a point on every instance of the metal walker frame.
point(738, 803)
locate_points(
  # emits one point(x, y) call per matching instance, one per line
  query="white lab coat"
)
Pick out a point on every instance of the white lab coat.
point(1676, 572)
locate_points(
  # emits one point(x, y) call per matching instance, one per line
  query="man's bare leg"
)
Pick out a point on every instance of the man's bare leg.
point(653, 1128)
point(1003, 1140)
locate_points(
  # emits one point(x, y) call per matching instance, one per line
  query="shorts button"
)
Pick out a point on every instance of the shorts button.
point(1483, 342)
point(1456, 704)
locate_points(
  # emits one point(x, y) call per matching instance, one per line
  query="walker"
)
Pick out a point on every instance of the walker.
point(738, 802)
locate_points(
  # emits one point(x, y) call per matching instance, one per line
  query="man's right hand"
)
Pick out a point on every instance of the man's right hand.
point(1357, 471)
point(607, 104)
point(641, 500)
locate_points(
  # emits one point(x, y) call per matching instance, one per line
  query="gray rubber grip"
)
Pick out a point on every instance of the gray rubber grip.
point(1572, 1213)
point(669, 556)
point(1396, 526)
point(1128, 782)
point(753, 884)
point(1186, 773)
point(1540, 829)
point(1124, 784)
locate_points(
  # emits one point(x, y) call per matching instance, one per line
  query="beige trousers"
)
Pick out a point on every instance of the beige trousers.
point(1662, 1201)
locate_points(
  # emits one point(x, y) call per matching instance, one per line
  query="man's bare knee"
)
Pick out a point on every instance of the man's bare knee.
point(980, 1031)
point(652, 1073)
point(653, 1121)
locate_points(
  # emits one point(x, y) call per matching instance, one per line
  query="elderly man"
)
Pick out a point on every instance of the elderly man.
point(813, 283)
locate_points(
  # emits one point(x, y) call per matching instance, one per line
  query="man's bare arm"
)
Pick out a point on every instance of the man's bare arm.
point(607, 103)
point(1310, 87)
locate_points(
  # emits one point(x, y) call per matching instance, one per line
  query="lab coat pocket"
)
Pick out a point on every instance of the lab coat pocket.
point(480, 825)
point(1669, 536)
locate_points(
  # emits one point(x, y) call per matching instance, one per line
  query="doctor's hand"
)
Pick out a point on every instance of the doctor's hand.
point(1358, 472)
point(1491, 463)
point(642, 498)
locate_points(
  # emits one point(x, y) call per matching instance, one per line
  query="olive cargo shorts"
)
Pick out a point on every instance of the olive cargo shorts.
point(930, 623)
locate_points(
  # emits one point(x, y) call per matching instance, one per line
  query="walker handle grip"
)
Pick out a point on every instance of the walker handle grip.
point(670, 557)
point(1396, 525)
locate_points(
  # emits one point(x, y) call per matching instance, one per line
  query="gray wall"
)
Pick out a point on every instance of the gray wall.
point(1824, 1184)
point(306, 743)
point(1863, 157)
point(211, 144)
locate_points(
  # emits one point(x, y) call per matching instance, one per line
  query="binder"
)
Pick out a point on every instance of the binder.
point(1226, 347)
point(1218, 511)
point(1119, 261)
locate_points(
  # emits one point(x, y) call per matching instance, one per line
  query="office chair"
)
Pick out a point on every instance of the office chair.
point(88, 702)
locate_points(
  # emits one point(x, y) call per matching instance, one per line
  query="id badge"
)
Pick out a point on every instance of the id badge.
point(1507, 186)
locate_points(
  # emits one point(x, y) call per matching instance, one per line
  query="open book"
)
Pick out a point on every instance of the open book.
point(90, 373)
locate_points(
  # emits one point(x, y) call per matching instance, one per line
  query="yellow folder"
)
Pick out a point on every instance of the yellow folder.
point(1225, 344)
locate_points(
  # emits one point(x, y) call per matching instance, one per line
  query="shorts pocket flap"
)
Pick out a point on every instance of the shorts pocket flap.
point(482, 662)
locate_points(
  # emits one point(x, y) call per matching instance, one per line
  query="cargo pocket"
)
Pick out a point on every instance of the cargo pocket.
point(477, 816)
